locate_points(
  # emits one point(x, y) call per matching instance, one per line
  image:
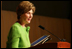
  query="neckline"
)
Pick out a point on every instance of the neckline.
point(20, 25)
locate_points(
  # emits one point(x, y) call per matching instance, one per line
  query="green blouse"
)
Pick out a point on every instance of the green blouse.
point(18, 37)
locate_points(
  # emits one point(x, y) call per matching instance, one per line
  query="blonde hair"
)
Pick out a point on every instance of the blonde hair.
point(24, 7)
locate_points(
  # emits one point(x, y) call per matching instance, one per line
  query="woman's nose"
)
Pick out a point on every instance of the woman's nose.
point(31, 15)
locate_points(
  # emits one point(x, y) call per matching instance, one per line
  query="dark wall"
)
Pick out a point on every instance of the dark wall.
point(57, 9)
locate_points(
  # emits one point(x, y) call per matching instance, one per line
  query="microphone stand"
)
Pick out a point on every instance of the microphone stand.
point(51, 33)
point(56, 36)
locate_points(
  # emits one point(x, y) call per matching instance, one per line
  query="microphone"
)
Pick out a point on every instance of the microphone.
point(51, 33)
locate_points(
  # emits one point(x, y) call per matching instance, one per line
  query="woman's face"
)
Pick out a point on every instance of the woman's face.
point(26, 17)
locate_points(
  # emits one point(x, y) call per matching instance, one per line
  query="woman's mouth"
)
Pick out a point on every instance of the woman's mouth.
point(29, 19)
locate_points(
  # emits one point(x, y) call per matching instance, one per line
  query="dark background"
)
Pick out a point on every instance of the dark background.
point(57, 9)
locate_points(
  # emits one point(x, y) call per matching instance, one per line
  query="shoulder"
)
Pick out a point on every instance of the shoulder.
point(14, 30)
point(15, 25)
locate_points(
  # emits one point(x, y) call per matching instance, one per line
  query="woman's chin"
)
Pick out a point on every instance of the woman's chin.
point(28, 22)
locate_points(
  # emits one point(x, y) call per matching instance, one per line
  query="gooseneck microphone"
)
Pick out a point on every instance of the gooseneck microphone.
point(51, 33)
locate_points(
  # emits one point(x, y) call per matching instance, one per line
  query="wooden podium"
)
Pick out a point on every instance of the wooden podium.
point(53, 45)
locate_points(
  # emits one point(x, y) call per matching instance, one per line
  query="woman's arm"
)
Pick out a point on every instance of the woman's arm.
point(14, 37)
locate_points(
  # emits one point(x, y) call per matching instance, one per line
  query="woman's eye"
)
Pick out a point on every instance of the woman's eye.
point(28, 13)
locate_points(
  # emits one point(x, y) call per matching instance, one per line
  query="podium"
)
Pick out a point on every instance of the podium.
point(53, 45)
point(42, 43)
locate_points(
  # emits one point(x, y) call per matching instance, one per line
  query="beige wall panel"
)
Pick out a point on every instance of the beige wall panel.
point(59, 27)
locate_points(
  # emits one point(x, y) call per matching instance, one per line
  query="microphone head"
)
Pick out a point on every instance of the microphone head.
point(41, 27)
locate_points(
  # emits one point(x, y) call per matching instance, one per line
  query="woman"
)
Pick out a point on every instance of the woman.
point(18, 36)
